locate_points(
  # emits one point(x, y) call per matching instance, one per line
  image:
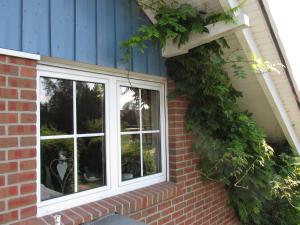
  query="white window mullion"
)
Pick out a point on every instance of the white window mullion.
point(75, 136)
point(141, 136)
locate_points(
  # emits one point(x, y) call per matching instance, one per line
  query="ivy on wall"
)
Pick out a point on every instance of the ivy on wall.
point(261, 178)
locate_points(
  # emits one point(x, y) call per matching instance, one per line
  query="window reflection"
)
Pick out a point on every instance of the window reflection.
point(57, 174)
point(90, 107)
point(151, 154)
point(56, 106)
point(150, 109)
point(91, 163)
point(131, 158)
point(129, 109)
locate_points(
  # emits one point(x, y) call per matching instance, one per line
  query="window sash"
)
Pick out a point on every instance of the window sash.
point(75, 134)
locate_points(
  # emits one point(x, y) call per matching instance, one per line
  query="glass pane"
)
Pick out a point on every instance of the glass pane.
point(150, 109)
point(91, 163)
point(90, 107)
point(151, 154)
point(56, 106)
point(131, 158)
point(57, 171)
point(129, 109)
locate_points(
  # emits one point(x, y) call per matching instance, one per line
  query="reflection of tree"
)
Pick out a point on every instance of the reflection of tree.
point(50, 151)
point(56, 112)
point(149, 105)
point(90, 107)
point(91, 155)
point(131, 156)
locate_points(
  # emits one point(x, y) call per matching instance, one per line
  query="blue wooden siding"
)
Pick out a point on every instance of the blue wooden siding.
point(88, 31)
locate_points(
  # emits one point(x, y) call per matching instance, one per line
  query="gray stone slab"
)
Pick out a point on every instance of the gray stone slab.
point(114, 220)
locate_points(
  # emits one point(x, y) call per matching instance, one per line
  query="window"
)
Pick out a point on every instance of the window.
point(140, 132)
point(100, 135)
point(72, 125)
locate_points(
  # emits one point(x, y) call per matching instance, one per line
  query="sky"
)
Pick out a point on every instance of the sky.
point(286, 15)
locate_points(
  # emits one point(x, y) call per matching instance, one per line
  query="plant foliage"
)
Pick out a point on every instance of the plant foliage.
point(263, 181)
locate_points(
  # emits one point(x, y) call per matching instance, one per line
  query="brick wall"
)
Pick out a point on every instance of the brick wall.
point(185, 200)
point(17, 138)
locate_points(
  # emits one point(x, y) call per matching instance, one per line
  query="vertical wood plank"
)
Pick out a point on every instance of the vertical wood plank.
point(36, 27)
point(123, 30)
point(10, 24)
point(139, 60)
point(154, 60)
point(163, 68)
point(86, 31)
point(106, 34)
point(62, 28)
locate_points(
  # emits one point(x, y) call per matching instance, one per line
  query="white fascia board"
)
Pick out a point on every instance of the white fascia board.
point(19, 54)
point(216, 30)
point(249, 46)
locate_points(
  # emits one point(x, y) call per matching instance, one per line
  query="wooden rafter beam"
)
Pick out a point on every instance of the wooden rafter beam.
point(217, 30)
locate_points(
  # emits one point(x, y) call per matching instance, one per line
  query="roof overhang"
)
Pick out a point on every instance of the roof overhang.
point(275, 106)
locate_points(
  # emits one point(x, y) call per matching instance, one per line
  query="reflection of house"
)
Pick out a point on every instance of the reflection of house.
point(78, 43)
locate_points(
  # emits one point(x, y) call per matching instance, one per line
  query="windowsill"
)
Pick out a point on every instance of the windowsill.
point(125, 203)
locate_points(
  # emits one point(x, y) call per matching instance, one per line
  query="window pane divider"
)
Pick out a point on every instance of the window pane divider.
point(141, 136)
point(141, 132)
point(90, 135)
point(57, 137)
point(75, 136)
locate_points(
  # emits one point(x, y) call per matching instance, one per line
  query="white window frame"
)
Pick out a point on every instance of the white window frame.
point(114, 183)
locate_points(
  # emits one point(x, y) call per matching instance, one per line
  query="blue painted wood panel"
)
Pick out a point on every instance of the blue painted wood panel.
point(89, 31)
point(10, 35)
point(106, 33)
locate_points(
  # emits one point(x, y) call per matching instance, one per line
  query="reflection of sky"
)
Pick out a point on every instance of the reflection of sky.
point(126, 96)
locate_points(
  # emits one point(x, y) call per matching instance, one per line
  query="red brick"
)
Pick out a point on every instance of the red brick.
point(28, 188)
point(2, 130)
point(9, 69)
point(8, 217)
point(21, 106)
point(28, 165)
point(2, 81)
point(28, 72)
point(8, 93)
point(21, 61)
point(8, 117)
point(21, 153)
point(21, 177)
point(8, 167)
point(28, 118)
point(21, 201)
point(28, 212)
point(2, 180)
point(28, 141)
point(29, 95)
point(2, 58)
point(8, 142)
point(2, 105)
point(8, 192)
point(2, 206)
point(21, 129)
point(2, 155)
point(21, 83)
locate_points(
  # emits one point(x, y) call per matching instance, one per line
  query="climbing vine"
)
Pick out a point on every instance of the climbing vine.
point(262, 179)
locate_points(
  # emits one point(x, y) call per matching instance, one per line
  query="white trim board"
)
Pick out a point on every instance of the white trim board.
point(249, 46)
point(19, 54)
